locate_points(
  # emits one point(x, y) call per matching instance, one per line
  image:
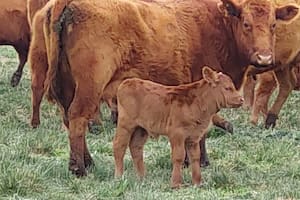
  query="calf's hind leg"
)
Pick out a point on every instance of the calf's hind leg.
point(178, 151)
point(136, 147)
point(193, 152)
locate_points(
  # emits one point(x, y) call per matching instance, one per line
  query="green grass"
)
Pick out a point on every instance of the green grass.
point(253, 163)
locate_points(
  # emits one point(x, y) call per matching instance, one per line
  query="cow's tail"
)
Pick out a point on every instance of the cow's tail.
point(53, 29)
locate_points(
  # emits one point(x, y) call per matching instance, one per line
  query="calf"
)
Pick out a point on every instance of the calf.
point(182, 113)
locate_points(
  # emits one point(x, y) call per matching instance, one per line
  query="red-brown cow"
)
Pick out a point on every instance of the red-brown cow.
point(15, 32)
point(257, 100)
point(94, 45)
point(182, 113)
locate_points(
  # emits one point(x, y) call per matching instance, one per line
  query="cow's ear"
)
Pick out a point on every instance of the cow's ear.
point(287, 13)
point(229, 8)
point(210, 75)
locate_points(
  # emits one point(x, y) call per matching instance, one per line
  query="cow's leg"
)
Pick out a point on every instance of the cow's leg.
point(248, 92)
point(22, 51)
point(136, 146)
point(88, 161)
point(266, 85)
point(38, 66)
point(204, 161)
point(287, 81)
point(120, 144)
point(178, 152)
point(222, 123)
point(81, 110)
point(194, 155)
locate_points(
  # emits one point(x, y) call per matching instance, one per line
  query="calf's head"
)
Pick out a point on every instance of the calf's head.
point(252, 24)
point(222, 88)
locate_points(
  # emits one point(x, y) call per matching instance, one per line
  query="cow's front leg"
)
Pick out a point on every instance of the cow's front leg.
point(222, 123)
point(287, 82)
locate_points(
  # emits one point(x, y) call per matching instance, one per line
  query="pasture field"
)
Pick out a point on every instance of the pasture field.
point(253, 163)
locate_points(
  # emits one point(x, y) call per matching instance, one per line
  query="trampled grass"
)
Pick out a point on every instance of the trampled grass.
point(253, 163)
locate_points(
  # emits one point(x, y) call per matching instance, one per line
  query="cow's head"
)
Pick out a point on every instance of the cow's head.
point(222, 88)
point(253, 24)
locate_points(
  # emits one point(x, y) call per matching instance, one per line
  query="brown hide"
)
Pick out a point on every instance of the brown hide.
point(15, 31)
point(182, 113)
point(94, 45)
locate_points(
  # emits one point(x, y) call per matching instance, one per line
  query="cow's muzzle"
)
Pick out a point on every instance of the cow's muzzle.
point(262, 59)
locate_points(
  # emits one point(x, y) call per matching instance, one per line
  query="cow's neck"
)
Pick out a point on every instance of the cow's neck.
point(235, 63)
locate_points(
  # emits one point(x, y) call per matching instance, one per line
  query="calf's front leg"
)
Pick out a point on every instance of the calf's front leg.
point(177, 145)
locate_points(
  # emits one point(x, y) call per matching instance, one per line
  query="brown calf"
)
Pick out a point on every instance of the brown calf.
point(15, 31)
point(182, 113)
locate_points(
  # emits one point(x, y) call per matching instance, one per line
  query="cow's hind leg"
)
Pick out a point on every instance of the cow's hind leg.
point(82, 108)
point(287, 81)
point(22, 51)
point(136, 147)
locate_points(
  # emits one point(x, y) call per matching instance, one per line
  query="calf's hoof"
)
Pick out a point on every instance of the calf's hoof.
point(271, 121)
point(15, 79)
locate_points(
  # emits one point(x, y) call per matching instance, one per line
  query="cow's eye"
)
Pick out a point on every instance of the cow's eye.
point(228, 88)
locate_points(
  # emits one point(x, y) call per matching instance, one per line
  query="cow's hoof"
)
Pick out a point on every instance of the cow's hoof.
point(114, 117)
point(15, 79)
point(228, 127)
point(35, 123)
point(271, 121)
point(204, 163)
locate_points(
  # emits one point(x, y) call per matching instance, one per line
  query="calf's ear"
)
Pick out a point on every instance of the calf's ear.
point(210, 75)
point(287, 13)
point(229, 8)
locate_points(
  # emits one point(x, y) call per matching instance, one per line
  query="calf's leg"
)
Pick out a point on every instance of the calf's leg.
point(120, 144)
point(136, 147)
point(177, 145)
point(193, 151)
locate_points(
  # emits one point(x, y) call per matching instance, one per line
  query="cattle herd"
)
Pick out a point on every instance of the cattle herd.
point(163, 67)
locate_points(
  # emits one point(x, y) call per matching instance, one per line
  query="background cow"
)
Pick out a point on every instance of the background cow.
point(94, 45)
point(15, 32)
